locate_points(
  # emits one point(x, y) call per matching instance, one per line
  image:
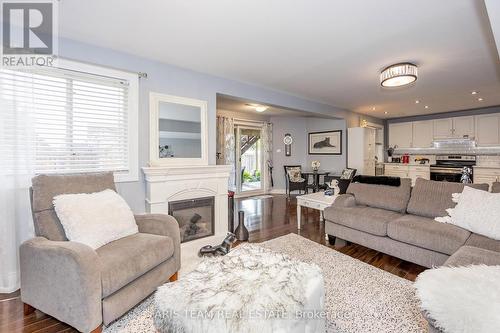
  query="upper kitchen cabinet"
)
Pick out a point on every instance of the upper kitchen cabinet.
point(423, 133)
point(443, 128)
point(401, 135)
point(488, 129)
point(457, 127)
point(463, 127)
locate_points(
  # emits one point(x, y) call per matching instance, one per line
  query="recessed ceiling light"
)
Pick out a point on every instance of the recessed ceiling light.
point(398, 75)
point(260, 108)
point(474, 92)
point(373, 108)
point(417, 101)
point(427, 106)
point(385, 112)
point(480, 99)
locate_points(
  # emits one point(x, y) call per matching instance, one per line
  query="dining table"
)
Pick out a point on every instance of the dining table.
point(315, 175)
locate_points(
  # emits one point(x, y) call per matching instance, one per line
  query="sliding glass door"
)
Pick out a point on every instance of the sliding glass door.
point(249, 160)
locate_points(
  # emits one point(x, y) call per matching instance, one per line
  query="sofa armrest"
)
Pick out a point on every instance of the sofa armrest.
point(62, 279)
point(344, 200)
point(164, 225)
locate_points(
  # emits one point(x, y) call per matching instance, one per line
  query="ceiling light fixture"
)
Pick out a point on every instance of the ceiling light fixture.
point(385, 112)
point(398, 75)
point(474, 92)
point(479, 99)
point(260, 108)
point(373, 108)
point(427, 106)
point(417, 101)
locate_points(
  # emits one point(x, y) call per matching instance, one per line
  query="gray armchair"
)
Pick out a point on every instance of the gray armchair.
point(84, 287)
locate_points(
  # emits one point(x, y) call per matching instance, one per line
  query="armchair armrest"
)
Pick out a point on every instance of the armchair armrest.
point(62, 279)
point(164, 225)
point(344, 200)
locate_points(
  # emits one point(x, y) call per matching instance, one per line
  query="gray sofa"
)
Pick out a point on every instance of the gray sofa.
point(399, 221)
point(84, 287)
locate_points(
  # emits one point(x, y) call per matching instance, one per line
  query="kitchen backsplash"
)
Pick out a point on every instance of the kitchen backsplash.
point(488, 161)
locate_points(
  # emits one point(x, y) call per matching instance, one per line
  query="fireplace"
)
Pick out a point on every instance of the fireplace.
point(196, 217)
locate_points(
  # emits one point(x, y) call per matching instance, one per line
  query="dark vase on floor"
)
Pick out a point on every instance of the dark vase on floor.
point(241, 231)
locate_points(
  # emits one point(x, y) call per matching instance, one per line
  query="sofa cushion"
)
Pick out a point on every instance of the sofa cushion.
point(393, 198)
point(46, 187)
point(427, 233)
point(363, 218)
point(483, 242)
point(469, 255)
point(128, 258)
point(431, 198)
point(495, 187)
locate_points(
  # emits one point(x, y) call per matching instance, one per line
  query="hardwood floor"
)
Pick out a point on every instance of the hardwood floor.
point(266, 218)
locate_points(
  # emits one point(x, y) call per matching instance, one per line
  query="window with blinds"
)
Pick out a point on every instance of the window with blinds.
point(67, 120)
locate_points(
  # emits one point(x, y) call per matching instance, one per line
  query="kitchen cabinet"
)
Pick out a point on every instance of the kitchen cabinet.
point(463, 127)
point(423, 133)
point(486, 175)
point(487, 129)
point(443, 128)
point(401, 135)
point(361, 146)
point(457, 127)
point(408, 171)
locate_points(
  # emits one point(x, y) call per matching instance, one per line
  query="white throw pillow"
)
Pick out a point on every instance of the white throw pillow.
point(95, 219)
point(477, 211)
point(461, 299)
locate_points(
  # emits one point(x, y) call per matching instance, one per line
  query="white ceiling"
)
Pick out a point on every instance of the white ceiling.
point(243, 106)
point(326, 50)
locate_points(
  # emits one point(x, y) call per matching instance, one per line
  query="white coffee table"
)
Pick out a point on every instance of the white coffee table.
point(317, 200)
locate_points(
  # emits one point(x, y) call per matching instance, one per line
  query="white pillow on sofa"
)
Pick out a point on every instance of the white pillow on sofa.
point(477, 211)
point(95, 219)
point(461, 299)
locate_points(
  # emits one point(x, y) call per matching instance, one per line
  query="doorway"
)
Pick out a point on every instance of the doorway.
point(249, 160)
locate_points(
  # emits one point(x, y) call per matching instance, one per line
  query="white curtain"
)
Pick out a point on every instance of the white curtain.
point(16, 169)
point(267, 144)
point(226, 147)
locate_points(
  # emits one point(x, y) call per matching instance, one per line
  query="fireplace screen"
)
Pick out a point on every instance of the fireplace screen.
point(195, 216)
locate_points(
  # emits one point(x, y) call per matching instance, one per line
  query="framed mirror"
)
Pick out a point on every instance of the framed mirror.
point(179, 130)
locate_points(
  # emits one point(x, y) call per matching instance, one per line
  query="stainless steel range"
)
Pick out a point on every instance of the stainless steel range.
point(449, 167)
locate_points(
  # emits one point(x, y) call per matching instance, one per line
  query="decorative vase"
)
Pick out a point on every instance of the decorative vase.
point(241, 231)
point(315, 165)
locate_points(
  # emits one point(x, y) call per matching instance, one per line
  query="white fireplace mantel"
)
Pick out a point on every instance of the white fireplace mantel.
point(165, 184)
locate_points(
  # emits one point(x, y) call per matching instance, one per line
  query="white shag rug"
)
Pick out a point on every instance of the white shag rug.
point(359, 297)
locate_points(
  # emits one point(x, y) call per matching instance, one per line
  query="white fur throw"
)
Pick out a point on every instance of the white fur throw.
point(95, 219)
point(461, 299)
point(477, 211)
point(251, 290)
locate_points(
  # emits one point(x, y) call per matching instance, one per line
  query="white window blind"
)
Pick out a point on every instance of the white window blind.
point(80, 122)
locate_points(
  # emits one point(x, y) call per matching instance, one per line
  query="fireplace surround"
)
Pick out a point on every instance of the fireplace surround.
point(168, 184)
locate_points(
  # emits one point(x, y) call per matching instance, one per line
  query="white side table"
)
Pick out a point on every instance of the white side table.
point(317, 200)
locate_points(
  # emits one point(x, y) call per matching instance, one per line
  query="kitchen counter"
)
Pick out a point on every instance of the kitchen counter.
point(407, 164)
point(486, 166)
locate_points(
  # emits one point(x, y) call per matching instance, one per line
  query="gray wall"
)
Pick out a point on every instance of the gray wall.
point(471, 112)
point(168, 79)
point(299, 127)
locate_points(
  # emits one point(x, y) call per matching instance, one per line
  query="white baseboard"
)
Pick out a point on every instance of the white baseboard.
point(277, 191)
point(12, 283)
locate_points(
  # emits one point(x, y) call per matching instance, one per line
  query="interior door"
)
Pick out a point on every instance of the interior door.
point(249, 160)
